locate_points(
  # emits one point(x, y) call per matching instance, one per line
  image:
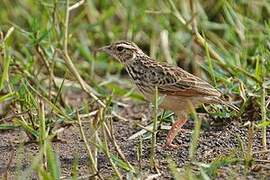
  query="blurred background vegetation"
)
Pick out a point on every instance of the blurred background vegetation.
point(226, 42)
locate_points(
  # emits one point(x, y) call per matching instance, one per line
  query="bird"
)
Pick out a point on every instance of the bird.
point(180, 89)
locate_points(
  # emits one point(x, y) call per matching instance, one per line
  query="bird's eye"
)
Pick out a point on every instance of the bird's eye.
point(119, 48)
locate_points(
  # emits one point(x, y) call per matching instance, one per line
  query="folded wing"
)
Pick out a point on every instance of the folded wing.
point(177, 82)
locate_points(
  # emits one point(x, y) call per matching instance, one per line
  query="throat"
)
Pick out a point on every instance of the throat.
point(134, 72)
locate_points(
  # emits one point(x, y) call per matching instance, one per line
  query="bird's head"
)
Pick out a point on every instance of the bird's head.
point(124, 51)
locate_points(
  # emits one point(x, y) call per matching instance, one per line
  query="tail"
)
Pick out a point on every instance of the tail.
point(228, 104)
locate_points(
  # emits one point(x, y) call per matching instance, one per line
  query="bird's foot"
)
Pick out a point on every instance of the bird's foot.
point(173, 132)
point(172, 146)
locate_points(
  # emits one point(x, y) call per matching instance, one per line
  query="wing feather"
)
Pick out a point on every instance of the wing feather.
point(177, 82)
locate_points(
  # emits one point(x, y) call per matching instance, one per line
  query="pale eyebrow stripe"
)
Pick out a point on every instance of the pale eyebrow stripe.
point(125, 46)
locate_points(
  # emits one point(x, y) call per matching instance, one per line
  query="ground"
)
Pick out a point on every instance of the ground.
point(217, 140)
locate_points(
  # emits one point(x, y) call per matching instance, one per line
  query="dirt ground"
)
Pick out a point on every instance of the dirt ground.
point(216, 140)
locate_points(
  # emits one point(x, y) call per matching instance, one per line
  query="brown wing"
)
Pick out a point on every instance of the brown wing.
point(189, 86)
point(177, 82)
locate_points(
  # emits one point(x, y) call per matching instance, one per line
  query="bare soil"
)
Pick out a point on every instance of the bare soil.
point(217, 139)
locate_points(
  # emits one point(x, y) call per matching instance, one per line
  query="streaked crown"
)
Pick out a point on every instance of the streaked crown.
point(124, 51)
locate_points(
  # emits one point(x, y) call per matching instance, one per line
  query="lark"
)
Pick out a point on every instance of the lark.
point(180, 89)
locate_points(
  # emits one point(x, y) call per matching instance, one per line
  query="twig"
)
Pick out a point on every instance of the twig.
point(263, 113)
point(14, 115)
point(108, 154)
point(262, 160)
point(76, 5)
point(114, 142)
point(9, 32)
point(146, 129)
point(87, 145)
point(85, 87)
point(154, 132)
point(194, 30)
point(88, 176)
point(193, 20)
point(89, 114)
point(195, 134)
point(261, 152)
point(249, 151)
point(6, 59)
point(153, 176)
point(52, 105)
point(165, 46)
point(118, 149)
point(93, 127)
point(42, 135)
point(41, 53)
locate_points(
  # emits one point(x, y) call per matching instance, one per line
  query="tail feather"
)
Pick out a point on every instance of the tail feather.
point(228, 104)
point(232, 106)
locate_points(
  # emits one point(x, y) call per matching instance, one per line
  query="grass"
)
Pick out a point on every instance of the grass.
point(154, 131)
point(47, 49)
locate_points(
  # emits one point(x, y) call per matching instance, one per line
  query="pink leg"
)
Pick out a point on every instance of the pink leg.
point(176, 127)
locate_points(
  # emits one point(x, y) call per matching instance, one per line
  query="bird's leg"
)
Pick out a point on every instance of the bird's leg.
point(176, 127)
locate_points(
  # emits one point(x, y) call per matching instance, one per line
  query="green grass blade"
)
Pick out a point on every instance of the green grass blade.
point(53, 162)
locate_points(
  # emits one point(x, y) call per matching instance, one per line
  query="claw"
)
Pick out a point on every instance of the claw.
point(173, 146)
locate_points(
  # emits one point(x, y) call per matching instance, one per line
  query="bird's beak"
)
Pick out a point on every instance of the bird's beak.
point(104, 49)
